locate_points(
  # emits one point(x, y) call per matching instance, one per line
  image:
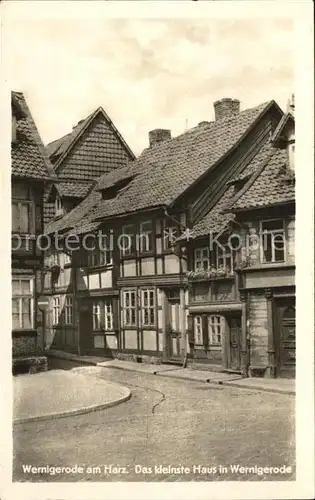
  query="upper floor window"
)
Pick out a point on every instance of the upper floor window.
point(99, 257)
point(224, 257)
point(129, 307)
point(272, 241)
point(58, 206)
point(22, 303)
point(148, 307)
point(127, 240)
point(22, 209)
point(202, 260)
point(145, 237)
point(170, 233)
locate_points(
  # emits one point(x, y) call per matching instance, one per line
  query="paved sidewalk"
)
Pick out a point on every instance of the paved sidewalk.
point(59, 393)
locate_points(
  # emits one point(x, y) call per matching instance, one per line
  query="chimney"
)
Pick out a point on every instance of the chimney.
point(159, 135)
point(226, 107)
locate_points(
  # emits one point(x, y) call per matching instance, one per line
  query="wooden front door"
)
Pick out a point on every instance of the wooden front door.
point(286, 337)
point(234, 358)
point(174, 334)
point(86, 325)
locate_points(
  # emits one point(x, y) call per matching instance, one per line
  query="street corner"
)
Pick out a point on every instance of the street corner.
point(58, 393)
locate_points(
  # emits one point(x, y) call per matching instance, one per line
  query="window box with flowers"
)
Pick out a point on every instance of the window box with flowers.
point(209, 274)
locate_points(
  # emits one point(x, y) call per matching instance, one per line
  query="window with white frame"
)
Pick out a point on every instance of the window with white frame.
point(98, 257)
point(224, 257)
point(108, 312)
point(148, 307)
point(145, 237)
point(97, 324)
point(22, 303)
point(170, 233)
point(102, 314)
point(22, 210)
point(198, 336)
point(215, 329)
point(129, 307)
point(58, 206)
point(202, 258)
point(126, 240)
point(56, 310)
point(69, 310)
point(272, 242)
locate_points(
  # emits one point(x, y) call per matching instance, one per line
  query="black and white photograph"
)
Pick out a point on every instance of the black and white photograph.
point(159, 323)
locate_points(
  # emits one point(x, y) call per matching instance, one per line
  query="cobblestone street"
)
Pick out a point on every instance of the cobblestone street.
point(165, 423)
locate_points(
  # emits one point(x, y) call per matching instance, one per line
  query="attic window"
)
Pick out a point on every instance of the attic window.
point(239, 184)
point(113, 191)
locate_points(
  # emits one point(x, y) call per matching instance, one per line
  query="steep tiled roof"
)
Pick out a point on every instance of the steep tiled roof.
point(287, 117)
point(104, 147)
point(268, 181)
point(59, 146)
point(253, 165)
point(28, 155)
point(272, 185)
point(215, 221)
point(167, 170)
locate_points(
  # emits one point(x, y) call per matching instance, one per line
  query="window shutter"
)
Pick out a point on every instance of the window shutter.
point(205, 332)
point(191, 338)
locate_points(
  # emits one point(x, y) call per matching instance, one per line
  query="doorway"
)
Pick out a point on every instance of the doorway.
point(235, 328)
point(286, 336)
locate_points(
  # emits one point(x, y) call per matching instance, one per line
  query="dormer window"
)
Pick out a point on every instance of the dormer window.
point(291, 153)
point(58, 207)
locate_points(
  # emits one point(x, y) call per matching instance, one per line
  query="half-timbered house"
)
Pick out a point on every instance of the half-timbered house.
point(31, 171)
point(93, 148)
point(242, 295)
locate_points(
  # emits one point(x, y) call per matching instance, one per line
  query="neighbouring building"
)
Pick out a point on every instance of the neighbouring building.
point(163, 292)
point(31, 171)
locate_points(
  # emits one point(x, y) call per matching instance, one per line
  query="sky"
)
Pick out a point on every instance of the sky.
point(146, 73)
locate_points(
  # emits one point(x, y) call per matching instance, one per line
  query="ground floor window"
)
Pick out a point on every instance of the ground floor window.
point(198, 336)
point(215, 328)
point(56, 310)
point(129, 307)
point(22, 302)
point(211, 326)
point(69, 310)
point(148, 307)
point(102, 314)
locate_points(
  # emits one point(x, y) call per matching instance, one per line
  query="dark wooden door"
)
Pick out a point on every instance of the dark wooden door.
point(287, 338)
point(234, 359)
point(174, 329)
point(86, 325)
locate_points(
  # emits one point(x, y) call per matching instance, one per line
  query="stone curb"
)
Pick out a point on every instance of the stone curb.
point(274, 390)
point(79, 411)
